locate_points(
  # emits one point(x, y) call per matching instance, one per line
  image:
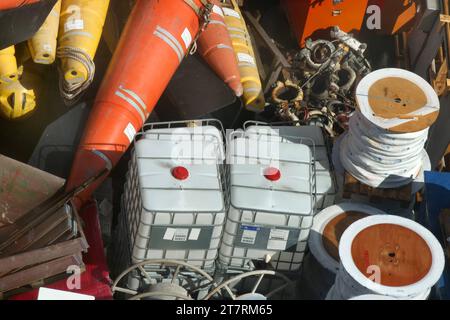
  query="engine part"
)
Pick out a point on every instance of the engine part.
point(326, 72)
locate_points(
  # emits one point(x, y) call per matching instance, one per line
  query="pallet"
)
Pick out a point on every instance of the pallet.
point(353, 186)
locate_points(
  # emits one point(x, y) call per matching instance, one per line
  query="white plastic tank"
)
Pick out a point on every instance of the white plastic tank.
point(271, 203)
point(326, 184)
point(175, 194)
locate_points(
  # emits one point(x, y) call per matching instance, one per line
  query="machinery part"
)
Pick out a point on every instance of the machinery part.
point(258, 273)
point(161, 290)
point(148, 54)
point(253, 96)
point(348, 40)
point(80, 29)
point(321, 119)
point(43, 44)
point(341, 111)
point(288, 97)
point(8, 66)
point(346, 78)
point(16, 101)
point(287, 93)
point(215, 46)
point(315, 54)
point(387, 255)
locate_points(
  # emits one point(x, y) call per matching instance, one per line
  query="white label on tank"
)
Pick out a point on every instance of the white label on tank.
point(181, 235)
point(244, 57)
point(74, 24)
point(231, 13)
point(187, 37)
point(130, 132)
point(194, 234)
point(217, 10)
point(277, 239)
point(249, 235)
point(170, 232)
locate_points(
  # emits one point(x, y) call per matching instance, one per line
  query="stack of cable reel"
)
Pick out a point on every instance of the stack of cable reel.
point(322, 264)
point(384, 147)
point(389, 256)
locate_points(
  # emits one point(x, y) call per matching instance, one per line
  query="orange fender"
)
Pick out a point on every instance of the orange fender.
point(216, 48)
point(155, 40)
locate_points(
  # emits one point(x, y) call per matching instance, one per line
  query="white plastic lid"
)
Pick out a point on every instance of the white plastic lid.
point(250, 189)
point(162, 190)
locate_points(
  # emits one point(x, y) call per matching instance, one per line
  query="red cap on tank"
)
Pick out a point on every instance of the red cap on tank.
point(180, 173)
point(272, 174)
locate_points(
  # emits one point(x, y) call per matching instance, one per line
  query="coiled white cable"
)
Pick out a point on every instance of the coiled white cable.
point(380, 158)
point(384, 145)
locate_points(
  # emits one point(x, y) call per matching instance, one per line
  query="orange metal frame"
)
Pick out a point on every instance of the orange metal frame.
point(313, 18)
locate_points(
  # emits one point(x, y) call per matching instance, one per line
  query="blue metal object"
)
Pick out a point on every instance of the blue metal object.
point(437, 198)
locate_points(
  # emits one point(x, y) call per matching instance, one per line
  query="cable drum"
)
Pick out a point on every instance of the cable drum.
point(384, 144)
point(328, 226)
point(390, 256)
point(322, 264)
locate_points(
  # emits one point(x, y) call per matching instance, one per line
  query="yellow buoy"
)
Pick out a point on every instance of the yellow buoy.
point(80, 29)
point(253, 96)
point(8, 65)
point(43, 44)
point(16, 101)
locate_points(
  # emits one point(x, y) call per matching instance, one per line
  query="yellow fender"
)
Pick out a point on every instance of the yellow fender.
point(253, 96)
point(43, 44)
point(80, 30)
point(8, 65)
point(16, 101)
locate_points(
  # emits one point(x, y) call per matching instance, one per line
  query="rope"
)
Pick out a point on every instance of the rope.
point(380, 158)
point(71, 92)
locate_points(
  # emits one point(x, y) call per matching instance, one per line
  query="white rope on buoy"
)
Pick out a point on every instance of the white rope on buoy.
point(384, 144)
point(410, 260)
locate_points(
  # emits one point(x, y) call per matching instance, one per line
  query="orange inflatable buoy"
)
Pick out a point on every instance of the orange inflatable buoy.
point(9, 4)
point(157, 36)
point(214, 45)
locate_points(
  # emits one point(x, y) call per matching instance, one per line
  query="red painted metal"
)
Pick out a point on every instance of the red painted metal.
point(95, 281)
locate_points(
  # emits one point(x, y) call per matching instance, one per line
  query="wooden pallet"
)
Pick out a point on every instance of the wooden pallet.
point(353, 186)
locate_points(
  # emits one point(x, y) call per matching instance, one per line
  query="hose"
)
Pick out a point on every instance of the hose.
point(71, 92)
